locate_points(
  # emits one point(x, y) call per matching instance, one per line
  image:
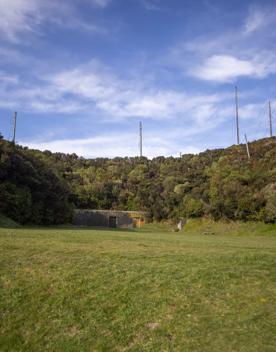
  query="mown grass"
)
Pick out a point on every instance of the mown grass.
point(148, 290)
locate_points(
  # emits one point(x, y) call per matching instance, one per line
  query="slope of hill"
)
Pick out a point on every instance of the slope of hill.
point(30, 190)
point(220, 183)
point(7, 222)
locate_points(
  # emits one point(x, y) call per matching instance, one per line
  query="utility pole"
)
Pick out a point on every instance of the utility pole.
point(270, 118)
point(237, 115)
point(14, 126)
point(247, 147)
point(141, 138)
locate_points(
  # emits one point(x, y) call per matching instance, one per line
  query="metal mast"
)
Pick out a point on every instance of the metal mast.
point(14, 126)
point(141, 138)
point(237, 115)
point(247, 147)
point(270, 118)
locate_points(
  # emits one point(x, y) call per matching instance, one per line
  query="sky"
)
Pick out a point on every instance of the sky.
point(82, 74)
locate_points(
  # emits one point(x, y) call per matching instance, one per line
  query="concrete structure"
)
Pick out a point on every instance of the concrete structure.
point(109, 218)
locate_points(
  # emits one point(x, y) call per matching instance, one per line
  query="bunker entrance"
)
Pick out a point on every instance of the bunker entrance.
point(112, 221)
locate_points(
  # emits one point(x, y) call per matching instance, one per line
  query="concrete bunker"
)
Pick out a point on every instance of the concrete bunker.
point(109, 218)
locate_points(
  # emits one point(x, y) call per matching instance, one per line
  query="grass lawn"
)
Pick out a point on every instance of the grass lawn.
point(208, 288)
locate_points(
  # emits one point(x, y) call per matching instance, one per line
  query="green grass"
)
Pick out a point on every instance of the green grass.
point(207, 226)
point(208, 288)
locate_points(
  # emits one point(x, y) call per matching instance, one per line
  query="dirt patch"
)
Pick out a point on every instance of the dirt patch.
point(152, 326)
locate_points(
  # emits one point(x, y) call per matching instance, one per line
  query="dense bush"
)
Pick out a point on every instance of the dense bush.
point(31, 191)
point(40, 187)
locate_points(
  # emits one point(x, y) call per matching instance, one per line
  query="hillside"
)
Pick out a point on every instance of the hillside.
point(30, 190)
point(220, 183)
point(7, 222)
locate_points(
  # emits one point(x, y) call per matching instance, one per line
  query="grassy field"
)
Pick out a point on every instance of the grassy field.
point(208, 288)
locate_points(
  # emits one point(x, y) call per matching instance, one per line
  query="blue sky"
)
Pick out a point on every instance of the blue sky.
point(82, 74)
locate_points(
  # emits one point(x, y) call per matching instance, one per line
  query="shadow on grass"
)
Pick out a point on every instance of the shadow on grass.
point(194, 226)
point(68, 227)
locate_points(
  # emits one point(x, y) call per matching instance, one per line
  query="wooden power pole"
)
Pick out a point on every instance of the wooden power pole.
point(270, 118)
point(237, 115)
point(14, 126)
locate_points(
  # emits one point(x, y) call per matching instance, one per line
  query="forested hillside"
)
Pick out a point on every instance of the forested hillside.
point(42, 187)
point(31, 191)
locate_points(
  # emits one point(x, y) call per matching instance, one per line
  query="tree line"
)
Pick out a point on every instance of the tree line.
point(43, 187)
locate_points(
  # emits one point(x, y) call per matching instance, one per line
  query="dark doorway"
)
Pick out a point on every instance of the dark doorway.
point(112, 221)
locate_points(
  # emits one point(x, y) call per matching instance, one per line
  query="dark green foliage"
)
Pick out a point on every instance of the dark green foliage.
point(31, 191)
point(220, 183)
point(7, 222)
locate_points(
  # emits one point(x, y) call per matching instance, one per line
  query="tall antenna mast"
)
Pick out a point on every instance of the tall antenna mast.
point(237, 115)
point(247, 147)
point(14, 126)
point(141, 138)
point(270, 118)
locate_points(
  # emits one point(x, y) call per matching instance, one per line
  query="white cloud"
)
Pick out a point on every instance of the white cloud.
point(61, 106)
point(101, 3)
point(18, 16)
point(96, 92)
point(26, 16)
point(258, 18)
point(254, 111)
point(93, 90)
point(226, 68)
point(123, 144)
point(6, 78)
point(104, 146)
point(151, 5)
point(87, 81)
point(204, 111)
point(160, 104)
point(254, 21)
point(114, 97)
point(247, 50)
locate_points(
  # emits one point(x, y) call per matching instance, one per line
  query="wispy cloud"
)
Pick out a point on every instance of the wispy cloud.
point(6, 78)
point(226, 68)
point(20, 17)
point(246, 51)
point(258, 18)
point(100, 3)
point(69, 86)
point(151, 5)
point(160, 141)
point(95, 89)
point(114, 145)
point(126, 98)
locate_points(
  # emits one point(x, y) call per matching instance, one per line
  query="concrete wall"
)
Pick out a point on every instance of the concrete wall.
point(107, 218)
